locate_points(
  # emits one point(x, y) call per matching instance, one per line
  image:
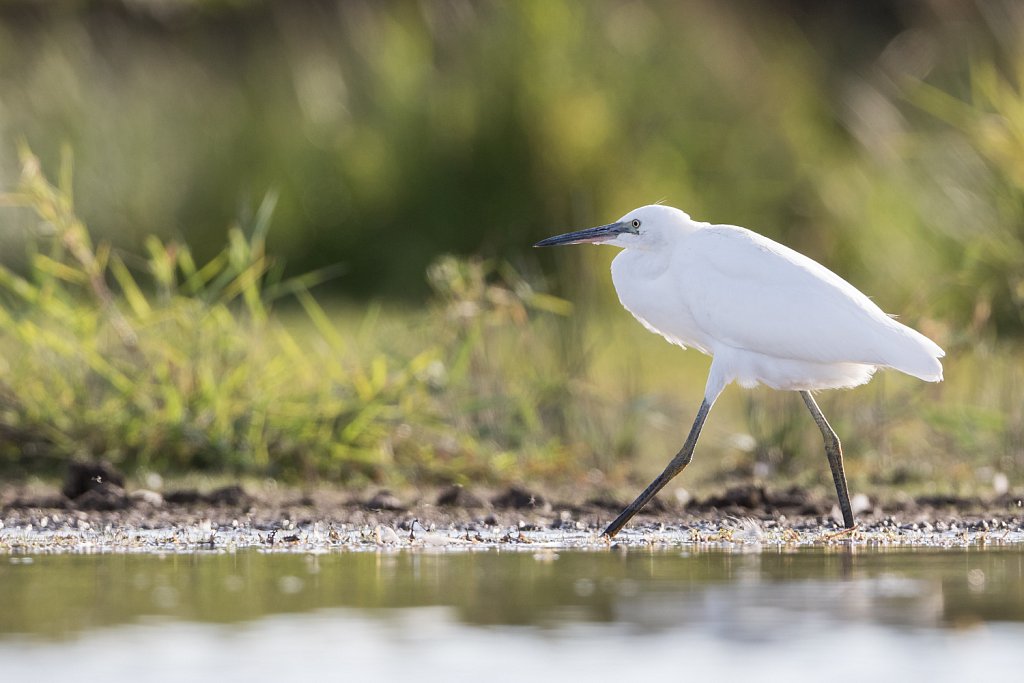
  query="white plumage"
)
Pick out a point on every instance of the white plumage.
point(765, 313)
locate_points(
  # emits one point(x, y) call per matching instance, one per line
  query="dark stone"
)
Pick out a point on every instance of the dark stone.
point(104, 497)
point(793, 497)
point(384, 500)
point(657, 505)
point(230, 496)
point(518, 498)
point(747, 496)
point(457, 496)
point(813, 508)
point(83, 476)
point(227, 496)
point(949, 501)
point(183, 497)
point(51, 502)
point(606, 503)
point(1011, 499)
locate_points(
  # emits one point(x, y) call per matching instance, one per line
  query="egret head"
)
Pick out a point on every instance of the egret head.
point(649, 227)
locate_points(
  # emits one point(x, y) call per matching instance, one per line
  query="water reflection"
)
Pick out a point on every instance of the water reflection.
point(254, 616)
point(746, 596)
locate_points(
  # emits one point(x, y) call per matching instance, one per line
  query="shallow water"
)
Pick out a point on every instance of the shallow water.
point(777, 613)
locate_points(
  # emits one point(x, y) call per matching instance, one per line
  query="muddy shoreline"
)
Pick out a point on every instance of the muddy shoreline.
point(101, 514)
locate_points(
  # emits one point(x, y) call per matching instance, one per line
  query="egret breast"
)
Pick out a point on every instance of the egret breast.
point(646, 289)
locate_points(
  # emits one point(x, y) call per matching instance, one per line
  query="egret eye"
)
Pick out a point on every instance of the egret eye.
point(635, 224)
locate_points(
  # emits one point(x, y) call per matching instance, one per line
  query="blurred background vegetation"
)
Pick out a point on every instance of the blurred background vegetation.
point(271, 190)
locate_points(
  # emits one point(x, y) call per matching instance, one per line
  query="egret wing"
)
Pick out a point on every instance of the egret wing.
point(751, 293)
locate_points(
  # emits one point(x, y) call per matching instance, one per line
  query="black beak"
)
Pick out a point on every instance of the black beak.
point(601, 233)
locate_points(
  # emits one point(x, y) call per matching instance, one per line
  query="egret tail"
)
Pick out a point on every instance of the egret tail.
point(909, 351)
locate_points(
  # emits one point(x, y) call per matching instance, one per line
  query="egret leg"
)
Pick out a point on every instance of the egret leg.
point(676, 466)
point(834, 451)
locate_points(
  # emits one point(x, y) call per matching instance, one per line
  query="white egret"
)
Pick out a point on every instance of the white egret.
point(765, 313)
